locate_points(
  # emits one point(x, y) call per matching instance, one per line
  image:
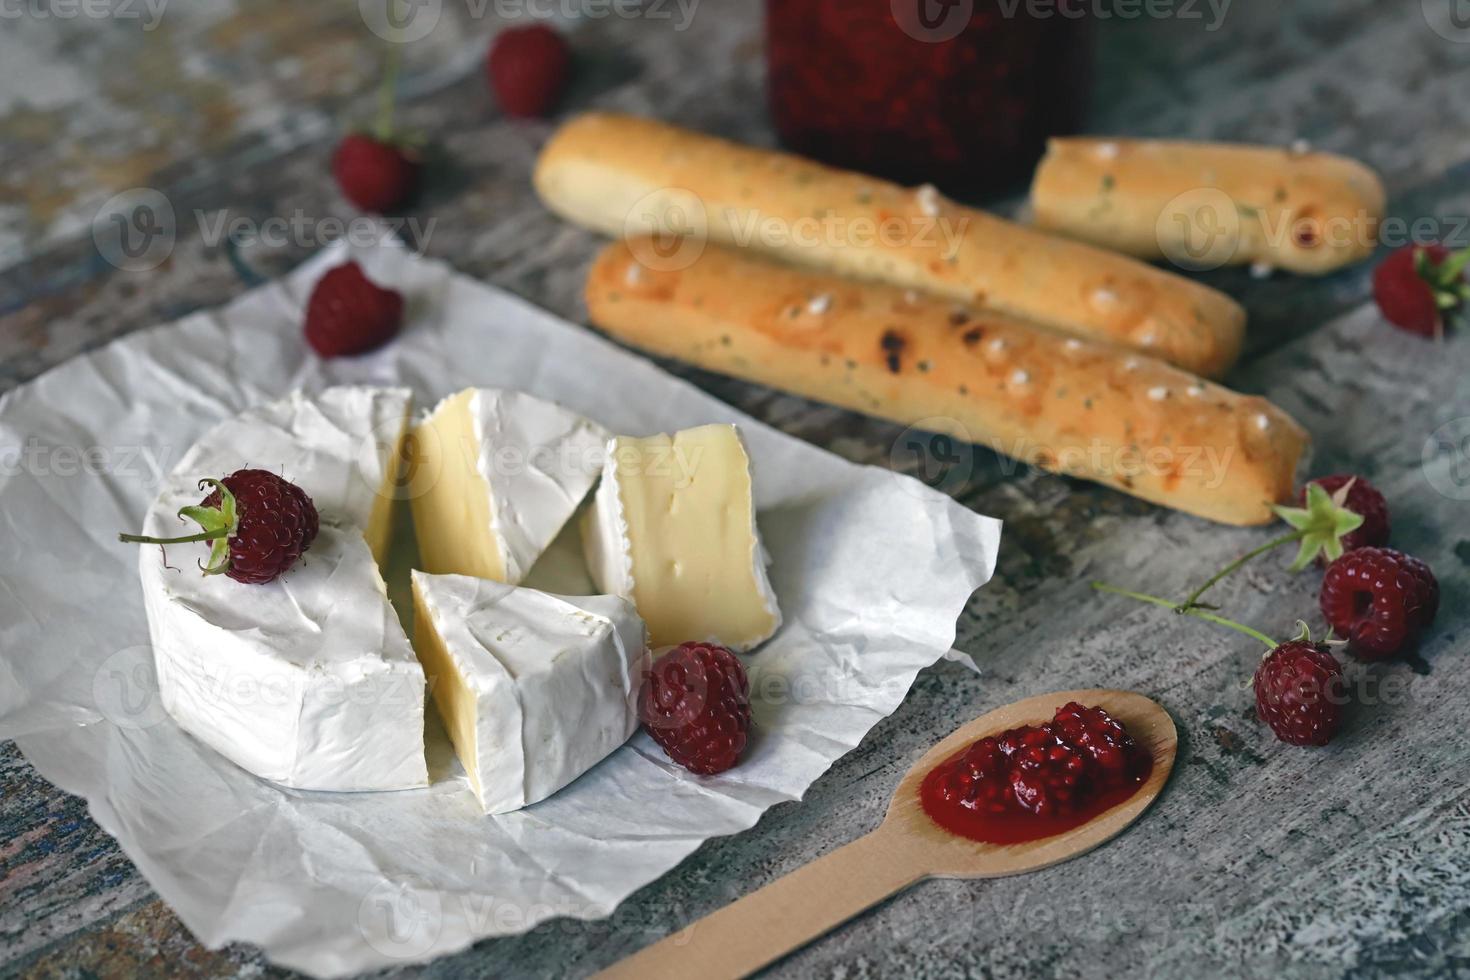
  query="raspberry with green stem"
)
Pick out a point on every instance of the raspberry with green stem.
point(257, 523)
point(1298, 685)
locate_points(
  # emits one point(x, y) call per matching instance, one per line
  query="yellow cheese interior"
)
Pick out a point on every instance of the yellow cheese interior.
point(451, 498)
point(379, 532)
point(453, 698)
point(687, 501)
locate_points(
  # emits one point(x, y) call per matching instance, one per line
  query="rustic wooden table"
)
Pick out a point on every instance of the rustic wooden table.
point(1259, 860)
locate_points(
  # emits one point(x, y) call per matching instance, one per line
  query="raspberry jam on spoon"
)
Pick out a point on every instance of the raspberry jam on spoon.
point(1129, 740)
point(1037, 781)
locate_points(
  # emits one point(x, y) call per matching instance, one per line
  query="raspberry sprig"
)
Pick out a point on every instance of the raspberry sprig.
point(1299, 686)
point(258, 525)
point(1379, 600)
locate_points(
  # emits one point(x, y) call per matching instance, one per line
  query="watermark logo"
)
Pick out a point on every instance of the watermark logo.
point(125, 689)
point(401, 21)
point(1450, 19)
point(667, 230)
point(1199, 229)
point(931, 452)
point(934, 21)
point(1446, 459)
point(136, 230)
point(401, 917)
point(419, 460)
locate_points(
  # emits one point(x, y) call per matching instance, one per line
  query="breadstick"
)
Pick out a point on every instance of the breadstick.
point(1073, 406)
point(627, 176)
point(1205, 205)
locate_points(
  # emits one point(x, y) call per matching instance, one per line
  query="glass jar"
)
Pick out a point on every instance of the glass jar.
point(958, 93)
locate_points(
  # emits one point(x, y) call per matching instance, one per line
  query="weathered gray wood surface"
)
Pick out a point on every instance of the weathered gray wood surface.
point(1260, 860)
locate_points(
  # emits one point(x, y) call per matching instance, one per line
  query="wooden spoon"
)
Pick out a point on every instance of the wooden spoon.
point(906, 848)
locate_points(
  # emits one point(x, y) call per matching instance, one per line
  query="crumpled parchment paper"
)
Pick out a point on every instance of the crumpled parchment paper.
point(872, 570)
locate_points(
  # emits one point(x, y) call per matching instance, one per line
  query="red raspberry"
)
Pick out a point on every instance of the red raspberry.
point(1300, 693)
point(1379, 600)
point(1098, 736)
point(1416, 285)
point(695, 703)
point(1364, 500)
point(527, 69)
point(274, 523)
point(1051, 778)
point(349, 314)
point(374, 174)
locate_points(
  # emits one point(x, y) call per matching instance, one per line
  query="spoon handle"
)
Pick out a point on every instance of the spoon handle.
point(783, 916)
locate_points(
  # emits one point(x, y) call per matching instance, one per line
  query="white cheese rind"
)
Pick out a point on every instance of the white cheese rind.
point(308, 681)
point(540, 460)
point(553, 679)
point(608, 544)
point(605, 541)
point(509, 470)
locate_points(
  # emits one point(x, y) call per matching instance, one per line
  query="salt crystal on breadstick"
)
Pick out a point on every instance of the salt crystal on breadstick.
point(1205, 205)
point(1073, 406)
point(625, 176)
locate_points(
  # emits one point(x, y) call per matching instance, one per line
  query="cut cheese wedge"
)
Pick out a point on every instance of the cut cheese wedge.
point(308, 681)
point(534, 689)
point(673, 528)
point(496, 475)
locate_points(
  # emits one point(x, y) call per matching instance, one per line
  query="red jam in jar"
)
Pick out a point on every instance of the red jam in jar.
point(1038, 781)
point(958, 93)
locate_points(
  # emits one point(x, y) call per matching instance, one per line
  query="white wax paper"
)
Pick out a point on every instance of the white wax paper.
point(872, 570)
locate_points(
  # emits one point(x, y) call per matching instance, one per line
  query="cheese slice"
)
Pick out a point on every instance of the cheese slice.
point(673, 528)
point(534, 688)
point(496, 475)
point(308, 681)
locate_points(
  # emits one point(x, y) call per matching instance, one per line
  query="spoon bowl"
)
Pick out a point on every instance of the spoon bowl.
point(948, 855)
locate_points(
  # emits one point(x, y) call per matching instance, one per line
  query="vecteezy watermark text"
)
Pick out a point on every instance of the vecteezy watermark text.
point(146, 464)
point(1212, 12)
point(939, 233)
point(150, 12)
point(941, 453)
point(667, 229)
point(137, 229)
point(1205, 228)
point(301, 230)
point(937, 21)
point(407, 21)
point(422, 460)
